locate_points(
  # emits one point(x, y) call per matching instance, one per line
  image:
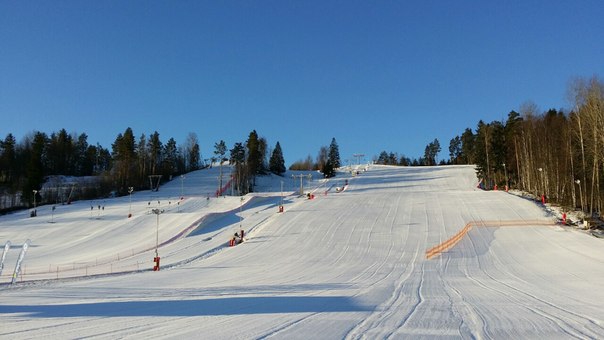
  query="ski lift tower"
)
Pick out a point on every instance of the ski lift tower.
point(309, 176)
point(358, 156)
point(154, 182)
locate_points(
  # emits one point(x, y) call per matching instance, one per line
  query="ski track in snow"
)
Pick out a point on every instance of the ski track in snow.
point(343, 265)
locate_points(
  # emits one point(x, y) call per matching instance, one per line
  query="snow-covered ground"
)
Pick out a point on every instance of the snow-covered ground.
point(349, 264)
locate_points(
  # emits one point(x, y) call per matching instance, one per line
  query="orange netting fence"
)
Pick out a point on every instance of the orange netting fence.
point(451, 242)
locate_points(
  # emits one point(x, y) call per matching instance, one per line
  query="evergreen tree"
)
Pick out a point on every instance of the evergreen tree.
point(254, 158)
point(170, 158)
point(455, 150)
point(498, 150)
point(241, 174)
point(104, 162)
point(124, 155)
point(468, 141)
point(237, 154)
point(383, 158)
point(431, 152)
point(513, 132)
point(334, 154)
point(262, 155)
point(404, 161)
point(60, 157)
point(220, 149)
point(8, 157)
point(154, 149)
point(277, 163)
point(143, 160)
point(193, 156)
point(329, 170)
point(35, 166)
point(84, 163)
point(392, 158)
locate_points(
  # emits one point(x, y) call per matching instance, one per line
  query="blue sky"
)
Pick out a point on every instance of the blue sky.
point(375, 75)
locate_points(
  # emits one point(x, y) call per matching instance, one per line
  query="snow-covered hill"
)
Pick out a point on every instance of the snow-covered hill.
point(347, 264)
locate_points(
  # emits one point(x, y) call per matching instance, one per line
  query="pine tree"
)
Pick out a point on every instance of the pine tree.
point(220, 149)
point(84, 163)
point(392, 159)
point(455, 150)
point(195, 157)
point(142, 150)
point(383, 158)
point(170, 158)
point(124, 154)
point(329, 170)
point(154, 149)
point(498, 151)
point(241, 174)
point(35, 165)
point(192, 151)
point(277, 163)
point(262, 155)
point(431, 151)
point(8, 157)
point(60, 154)
point(334, 154)
point(513, 132)
point(468, 141)
point(254, 159)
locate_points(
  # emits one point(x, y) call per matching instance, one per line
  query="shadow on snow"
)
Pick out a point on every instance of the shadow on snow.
point(201, 307)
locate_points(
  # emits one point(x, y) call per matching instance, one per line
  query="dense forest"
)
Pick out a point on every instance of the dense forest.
point(554, 153)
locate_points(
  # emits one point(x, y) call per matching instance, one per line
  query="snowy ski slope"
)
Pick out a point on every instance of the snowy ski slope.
point(343, 265)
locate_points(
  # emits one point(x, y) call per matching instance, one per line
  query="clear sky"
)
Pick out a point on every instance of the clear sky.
point(376, 75)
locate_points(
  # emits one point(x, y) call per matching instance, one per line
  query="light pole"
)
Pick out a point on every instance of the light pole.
point(182, 186)
point(157, 212)
point(578, 182)
point(240, 211)
point(281, 204)
point(130, 190)
point(34, 212)
point(220, 180)
point(542, 186)
point(505, 172)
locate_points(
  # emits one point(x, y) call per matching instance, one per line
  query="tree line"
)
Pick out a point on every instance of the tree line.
point(430, 157)
point(556, 154)
point(26, 165)
point(327, 161)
